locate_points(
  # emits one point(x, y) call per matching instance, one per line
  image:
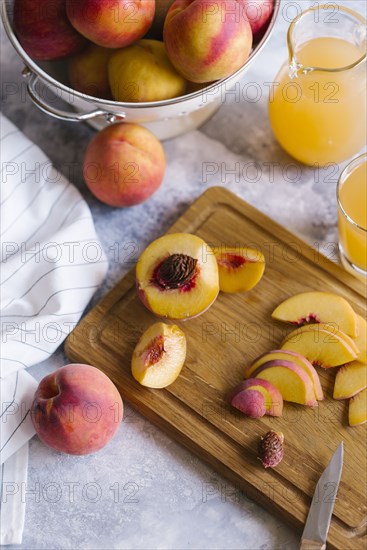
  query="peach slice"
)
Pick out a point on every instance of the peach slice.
point(177, 276)
point(240, 269)
point(256, 397)
point(319, 307)
point(361, 339)
point(159, 356)
point(330, 328)
point(293, 382)
point(350, 380)
point(293, 357)
point(358, 408)
point(323, 348)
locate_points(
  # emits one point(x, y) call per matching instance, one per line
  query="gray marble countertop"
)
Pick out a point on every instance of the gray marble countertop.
point(143, 491)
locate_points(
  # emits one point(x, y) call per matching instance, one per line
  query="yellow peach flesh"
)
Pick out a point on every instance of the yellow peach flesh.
point(331, 329)
point(350, 379)
point(178, 303)
point(291, 383)
point(358, 409)
point(323, 348)
point(240, 269)
point(159, 356)
point(361, 339)
point(286, 355)
point(321, 307)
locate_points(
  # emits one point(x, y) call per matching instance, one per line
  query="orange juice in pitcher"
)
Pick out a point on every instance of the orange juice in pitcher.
point(317, 106)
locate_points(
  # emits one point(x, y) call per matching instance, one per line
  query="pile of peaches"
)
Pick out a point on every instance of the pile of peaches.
point(142, 51)
point(179, 276)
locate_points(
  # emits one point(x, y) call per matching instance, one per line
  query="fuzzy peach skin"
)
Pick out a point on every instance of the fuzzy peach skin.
point(292, 381)
point(207, 40)
point(111, 23)
point(143, 72)
point(266, 398)
point(258, 13)
point(76, 409)
point(124, 164)
point(290, 356)
point(88, 71)
point(44, 30)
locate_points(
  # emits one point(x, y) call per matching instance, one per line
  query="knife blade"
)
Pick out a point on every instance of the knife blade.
point(319, 516)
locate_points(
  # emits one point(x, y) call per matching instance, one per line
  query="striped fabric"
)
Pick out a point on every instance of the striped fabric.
point(51, 264)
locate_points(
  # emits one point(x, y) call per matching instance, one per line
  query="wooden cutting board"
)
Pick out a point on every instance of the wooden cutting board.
point(235, 330)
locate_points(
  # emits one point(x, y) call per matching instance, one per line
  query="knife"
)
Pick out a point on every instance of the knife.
point(319, 516)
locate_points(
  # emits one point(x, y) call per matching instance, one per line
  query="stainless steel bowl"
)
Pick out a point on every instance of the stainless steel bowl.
point(166, 119)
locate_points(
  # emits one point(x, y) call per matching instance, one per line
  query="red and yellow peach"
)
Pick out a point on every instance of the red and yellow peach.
point(76, 409)
point(124, 164)
point(207, 40)
point(111, 23)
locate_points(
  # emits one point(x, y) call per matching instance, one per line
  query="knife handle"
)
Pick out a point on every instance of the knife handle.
point(311, 545)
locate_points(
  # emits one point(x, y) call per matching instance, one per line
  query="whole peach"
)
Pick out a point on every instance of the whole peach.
point(88, 71)
point(76, 409)
point(207, 40)
point(44, 30)
point(111, 23)
point(124, 164)
point(143, 72)
point(258, 13)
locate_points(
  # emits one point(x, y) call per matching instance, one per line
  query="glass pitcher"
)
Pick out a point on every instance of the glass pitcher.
point(317, 104)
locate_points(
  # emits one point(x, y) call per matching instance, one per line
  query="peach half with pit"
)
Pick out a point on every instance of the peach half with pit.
point(350, 380)
point(318, 307)
point(293, 382)
point(322, 348)
point(240, 269)
point(159, 356)
point(177, 276)
point(76, 409)
point(358, 409)
point(292, 357)
point(255, 398)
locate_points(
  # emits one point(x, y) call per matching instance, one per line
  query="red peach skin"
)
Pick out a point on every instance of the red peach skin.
point(76, 409)
point(111, 23)
point(124, 164)
point(207, 40)
point(44, 30)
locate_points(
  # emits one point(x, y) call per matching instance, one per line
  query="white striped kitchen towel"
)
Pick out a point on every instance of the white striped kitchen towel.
point(51, 264)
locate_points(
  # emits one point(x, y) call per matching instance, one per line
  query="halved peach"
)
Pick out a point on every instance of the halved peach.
point(350, 380)
point(318, 307)
point(240, 269)
point(256, 397)
point(361, 339)
point(321, 348)
point(177, 276)
point(358, 408)
point(320, 328)
point(159, 356)
point(293, 382)
point(292, 357)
